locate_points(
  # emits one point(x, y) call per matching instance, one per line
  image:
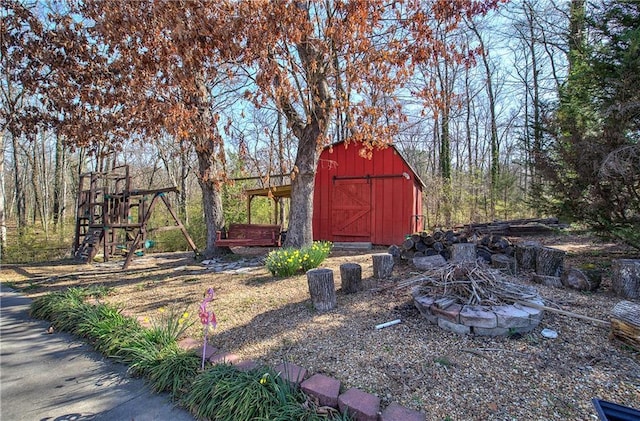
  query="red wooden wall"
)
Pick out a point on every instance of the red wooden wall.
point(365, 200)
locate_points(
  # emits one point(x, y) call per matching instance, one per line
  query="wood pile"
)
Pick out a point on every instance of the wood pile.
point(426, 243)
point(489, 245)
point(440, 242)
point(515, 227)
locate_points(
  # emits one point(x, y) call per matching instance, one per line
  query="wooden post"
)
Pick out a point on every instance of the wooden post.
point(321, 289)
point(463, 252)
point(382, 265)
point(625, 323)
point(526, 254)
point(625, 277)
point(549, 261)
point(351, 277)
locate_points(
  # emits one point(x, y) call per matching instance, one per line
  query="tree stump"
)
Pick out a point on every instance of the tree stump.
point(581, 280)
point(321, 288)
point(382, 265)
point(625, 323)
point(526, 254)
point(463, 252)
point(625, 277)
point(351, 277)
point(504, 263)
point(549, 261)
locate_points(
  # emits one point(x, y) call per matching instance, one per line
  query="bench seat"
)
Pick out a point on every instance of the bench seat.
point(250, 235)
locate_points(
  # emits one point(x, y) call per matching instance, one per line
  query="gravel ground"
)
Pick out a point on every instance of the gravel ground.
point(414, 363)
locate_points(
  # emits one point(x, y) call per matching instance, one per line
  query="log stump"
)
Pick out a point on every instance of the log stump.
point(625, 277)
point(463, 252)
point(625, 323)
point(526, 254)
point(549, 261)
point(581, 280)
point(351, 277)
point(321, 288)
point(382, 265)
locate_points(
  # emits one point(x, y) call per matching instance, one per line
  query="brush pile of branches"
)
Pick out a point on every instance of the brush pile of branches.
point(471, 284)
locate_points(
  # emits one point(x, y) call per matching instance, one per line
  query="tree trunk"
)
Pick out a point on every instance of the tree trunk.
point(549, 261)
point(210, 151)
point(625, 323)
point(350, 277)
point(3, 222)
point(20, 195)
point(311, 132)
point(526, 254)
point(58, 183)
point(300, 231)
point(463, 252)
point(211, 203)
point(382, 265)
point(184, 173)
point(581, 280)
point(321, 289)
point(625, 278)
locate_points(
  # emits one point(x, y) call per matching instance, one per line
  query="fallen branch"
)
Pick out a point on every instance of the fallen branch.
point(602, 323)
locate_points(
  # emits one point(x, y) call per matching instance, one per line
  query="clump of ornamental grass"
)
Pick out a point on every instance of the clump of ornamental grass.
point(223, 392)
point(145, 349)
point(107, 329)
point(289, 261)
point(174, 371)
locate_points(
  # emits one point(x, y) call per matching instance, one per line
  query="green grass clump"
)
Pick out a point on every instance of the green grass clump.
point(226, 393)
point(289, 261)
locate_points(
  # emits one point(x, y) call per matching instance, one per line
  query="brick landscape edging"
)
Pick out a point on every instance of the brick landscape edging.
point(362, 406)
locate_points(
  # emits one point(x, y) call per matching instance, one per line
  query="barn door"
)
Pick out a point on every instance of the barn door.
point(351, 213)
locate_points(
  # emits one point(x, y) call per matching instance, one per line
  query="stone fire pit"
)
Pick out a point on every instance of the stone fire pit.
point(475, 299)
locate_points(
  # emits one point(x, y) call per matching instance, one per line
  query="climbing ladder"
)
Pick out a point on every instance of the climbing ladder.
point(90, 244)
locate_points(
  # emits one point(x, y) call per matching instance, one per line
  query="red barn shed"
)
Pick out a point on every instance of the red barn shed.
point(377, 200)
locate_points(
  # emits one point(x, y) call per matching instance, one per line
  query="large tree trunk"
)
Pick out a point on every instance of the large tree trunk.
point(300, 232)
point(3, 222)
point(20, 195)
point(311, 132)
point(211, 202)
point(58, 184)
point(210, 151)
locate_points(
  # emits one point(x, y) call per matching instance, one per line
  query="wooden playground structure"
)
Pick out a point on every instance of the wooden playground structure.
point(112, 215)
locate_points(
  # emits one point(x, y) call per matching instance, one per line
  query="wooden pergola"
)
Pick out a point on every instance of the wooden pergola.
point(273, 192)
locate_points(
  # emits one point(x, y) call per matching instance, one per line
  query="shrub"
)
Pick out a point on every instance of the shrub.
point(289, 261)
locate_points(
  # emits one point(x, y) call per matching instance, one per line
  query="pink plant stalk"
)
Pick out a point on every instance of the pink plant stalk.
point(208, 320)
